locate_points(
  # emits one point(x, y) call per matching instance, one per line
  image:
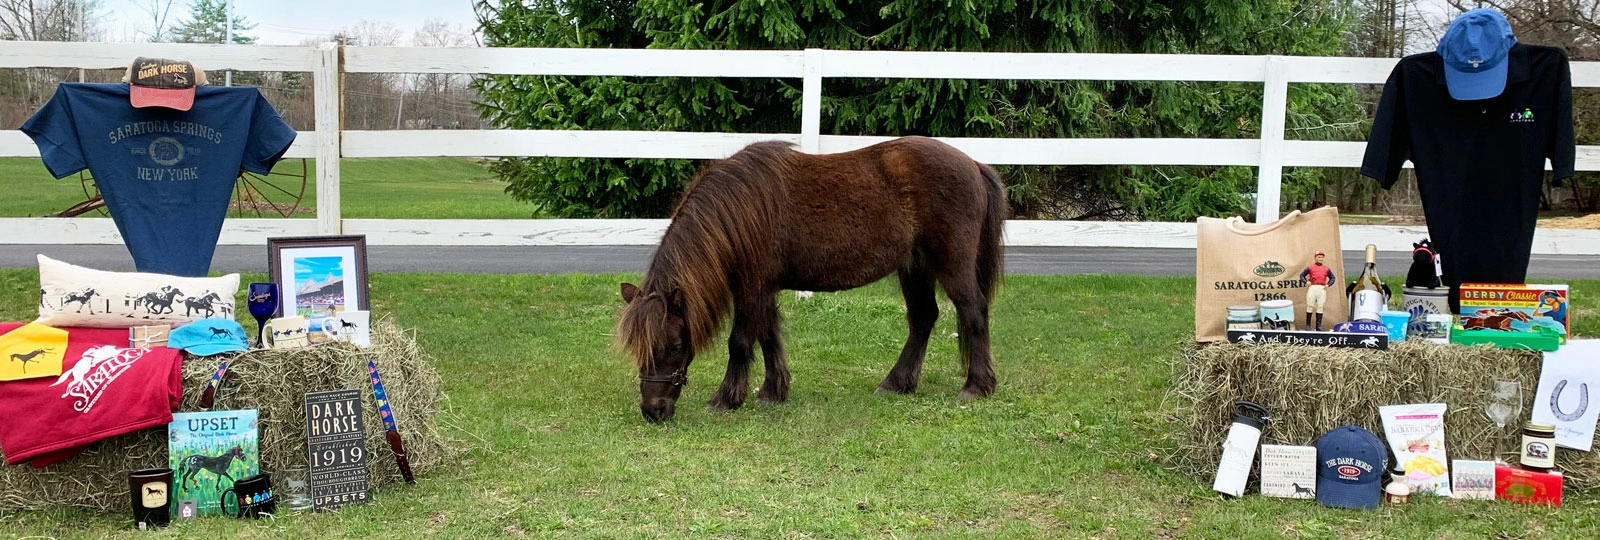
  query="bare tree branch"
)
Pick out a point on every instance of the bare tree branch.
point(48, 20)
point(159, 11)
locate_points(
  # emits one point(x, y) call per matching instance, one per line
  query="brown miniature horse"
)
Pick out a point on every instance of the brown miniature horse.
point(770, 218)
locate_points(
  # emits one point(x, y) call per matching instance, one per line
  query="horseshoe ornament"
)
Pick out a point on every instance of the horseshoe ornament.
point(1583, 402)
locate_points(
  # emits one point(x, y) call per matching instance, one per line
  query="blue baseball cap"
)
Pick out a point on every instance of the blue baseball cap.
point(206, 337)
point(1475, 50)
point(1350, 465)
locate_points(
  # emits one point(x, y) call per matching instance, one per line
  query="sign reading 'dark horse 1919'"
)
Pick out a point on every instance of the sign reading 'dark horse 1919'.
point(336, 449)
point(1312, 339)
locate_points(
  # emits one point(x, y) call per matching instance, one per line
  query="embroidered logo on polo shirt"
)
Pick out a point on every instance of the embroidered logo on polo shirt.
point(1526, 116)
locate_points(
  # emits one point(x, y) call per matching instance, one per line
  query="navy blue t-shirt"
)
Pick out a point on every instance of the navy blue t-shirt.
point(166, 175)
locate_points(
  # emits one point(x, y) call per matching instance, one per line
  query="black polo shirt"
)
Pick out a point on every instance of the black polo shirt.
point(1479, 164)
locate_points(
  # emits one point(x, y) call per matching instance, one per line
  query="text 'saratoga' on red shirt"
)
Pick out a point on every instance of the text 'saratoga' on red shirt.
point(105, 389)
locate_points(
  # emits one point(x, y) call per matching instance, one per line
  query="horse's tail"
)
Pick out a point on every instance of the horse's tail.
point(991, 246)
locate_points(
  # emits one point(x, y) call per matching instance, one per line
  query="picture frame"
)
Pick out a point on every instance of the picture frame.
point(318, 276)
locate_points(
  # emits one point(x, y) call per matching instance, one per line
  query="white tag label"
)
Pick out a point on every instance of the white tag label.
point(1368, 305)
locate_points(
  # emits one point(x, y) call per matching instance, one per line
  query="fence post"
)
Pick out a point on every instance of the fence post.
point(811, 102)
point(1274, 107)
point(326, 107)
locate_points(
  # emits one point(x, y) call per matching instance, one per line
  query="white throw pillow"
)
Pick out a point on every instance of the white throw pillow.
point(71, 295)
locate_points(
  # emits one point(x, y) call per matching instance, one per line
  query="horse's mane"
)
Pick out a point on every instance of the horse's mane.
point(723, 220)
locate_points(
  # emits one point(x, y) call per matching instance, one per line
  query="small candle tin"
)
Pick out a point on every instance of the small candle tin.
point(1277, 314)
point(1246, 317)
point(1437, 327)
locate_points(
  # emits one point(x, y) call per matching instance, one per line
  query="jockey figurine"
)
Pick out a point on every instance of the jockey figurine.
point(1319, 276)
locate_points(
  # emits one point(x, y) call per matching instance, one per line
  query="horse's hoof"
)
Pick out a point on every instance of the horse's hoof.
point(721, 406)
point(770, 399)
point(968, 394)
point(886, 389)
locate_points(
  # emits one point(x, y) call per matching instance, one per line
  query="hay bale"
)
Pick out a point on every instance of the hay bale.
point(273, 382)
point(1311, 390)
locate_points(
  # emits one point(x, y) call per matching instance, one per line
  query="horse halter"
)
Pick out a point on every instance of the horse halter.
point(677, 378)
point(1438, 271)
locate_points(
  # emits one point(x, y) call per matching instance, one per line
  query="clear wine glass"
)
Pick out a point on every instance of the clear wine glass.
point(1505, 405)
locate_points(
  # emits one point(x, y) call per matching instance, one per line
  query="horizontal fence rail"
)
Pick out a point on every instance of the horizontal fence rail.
point(1269, 154)
point(212, 58)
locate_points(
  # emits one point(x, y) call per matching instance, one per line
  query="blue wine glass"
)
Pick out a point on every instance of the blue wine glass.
point(263, 301)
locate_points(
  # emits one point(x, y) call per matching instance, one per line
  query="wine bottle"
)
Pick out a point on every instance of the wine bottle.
point(1369, 296)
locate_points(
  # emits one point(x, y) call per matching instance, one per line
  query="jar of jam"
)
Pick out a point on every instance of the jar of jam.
point(1245, 317)
point(1538, 447)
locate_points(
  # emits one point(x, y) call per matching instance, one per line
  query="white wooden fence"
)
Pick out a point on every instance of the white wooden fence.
point(1271, 153)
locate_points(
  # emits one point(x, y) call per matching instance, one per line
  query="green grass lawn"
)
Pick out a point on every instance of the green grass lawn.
point(390, 188)
point(1065, 449)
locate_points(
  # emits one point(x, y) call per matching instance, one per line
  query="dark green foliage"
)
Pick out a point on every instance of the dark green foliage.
point(953, 108)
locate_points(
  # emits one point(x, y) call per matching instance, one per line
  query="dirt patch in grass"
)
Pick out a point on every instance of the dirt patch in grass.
point(1591, 221)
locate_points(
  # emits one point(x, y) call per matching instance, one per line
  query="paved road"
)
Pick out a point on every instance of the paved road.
point(595, 259)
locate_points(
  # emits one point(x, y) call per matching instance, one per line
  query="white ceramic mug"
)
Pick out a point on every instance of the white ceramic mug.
point(285, 333)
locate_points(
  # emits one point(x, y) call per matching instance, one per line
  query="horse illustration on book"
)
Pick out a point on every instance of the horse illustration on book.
point(203, 303)
point(158, 303)
point(80, 298)
point(1299, 490)
point(27, 357)
point(217, 466)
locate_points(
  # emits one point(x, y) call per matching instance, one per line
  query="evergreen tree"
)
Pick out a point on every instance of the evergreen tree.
point(208, 23)
point(934, 107)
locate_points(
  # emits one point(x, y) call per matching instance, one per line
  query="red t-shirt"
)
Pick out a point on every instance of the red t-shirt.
point(105, 389)
point(1317, 274)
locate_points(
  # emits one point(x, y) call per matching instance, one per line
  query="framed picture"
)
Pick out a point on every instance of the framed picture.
point(318, 277)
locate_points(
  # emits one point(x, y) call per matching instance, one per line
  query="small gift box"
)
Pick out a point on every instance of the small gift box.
point(1528, 487)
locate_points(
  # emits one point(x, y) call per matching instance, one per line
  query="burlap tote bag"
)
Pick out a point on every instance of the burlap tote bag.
point(1243, 263)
